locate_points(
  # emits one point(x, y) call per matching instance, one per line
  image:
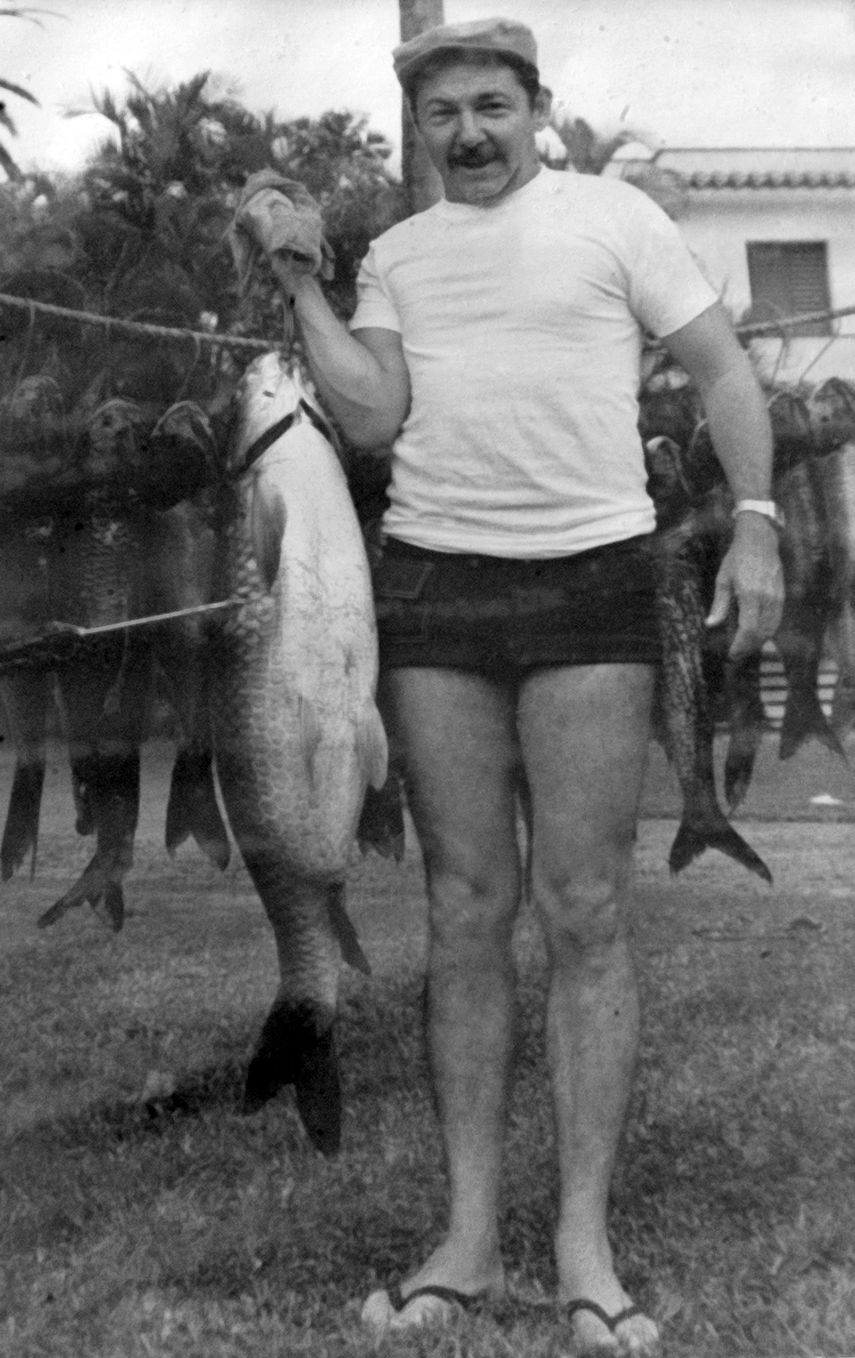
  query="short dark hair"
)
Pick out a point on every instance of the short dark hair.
point(527, 75)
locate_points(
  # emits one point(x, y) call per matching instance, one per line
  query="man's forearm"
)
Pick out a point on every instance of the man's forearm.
point(741, 433)
point(351, 382)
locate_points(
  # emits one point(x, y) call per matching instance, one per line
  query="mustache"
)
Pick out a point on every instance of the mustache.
point(472, 158)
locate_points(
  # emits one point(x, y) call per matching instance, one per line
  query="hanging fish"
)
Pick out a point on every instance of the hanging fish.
point(297, 734)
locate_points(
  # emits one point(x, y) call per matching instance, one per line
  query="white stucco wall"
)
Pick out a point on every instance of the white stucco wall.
point(718, 223)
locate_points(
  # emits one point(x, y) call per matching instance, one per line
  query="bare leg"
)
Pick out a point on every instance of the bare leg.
point(584, 734)
point(458, 733)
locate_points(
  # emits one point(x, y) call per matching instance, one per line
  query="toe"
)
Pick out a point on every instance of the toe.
point(638, 1337)
point(377, 1312)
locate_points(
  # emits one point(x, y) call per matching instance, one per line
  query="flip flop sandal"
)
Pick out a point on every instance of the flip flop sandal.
point(611, 1323)
point(466, 1301)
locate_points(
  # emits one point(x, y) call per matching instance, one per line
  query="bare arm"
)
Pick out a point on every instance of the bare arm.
point(362, 376)
point(739, 426)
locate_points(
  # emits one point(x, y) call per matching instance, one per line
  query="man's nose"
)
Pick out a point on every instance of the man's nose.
point(469, 131)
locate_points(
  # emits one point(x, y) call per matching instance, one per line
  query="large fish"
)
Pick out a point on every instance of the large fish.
point(178, 576)
point(179, 562)
point(297, 734)
point(806, 566)
point(27, 694)
point(746, 718)
point(96, 579)
point(686, 551)
point(33, 439)
point(832, 413)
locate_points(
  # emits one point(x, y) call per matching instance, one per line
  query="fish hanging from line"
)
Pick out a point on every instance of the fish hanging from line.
point(297, 734)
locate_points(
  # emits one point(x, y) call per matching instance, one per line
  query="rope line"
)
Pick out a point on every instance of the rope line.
point(140, 329)
point(758, 328)
point(145, 330)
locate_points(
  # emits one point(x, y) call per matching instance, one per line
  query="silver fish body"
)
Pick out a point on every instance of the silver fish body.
point(26, 693)
point(835, 472)
point(685, 711)
point(95, 569)
point(297, 734)
point(179, 575)
point(806, 563)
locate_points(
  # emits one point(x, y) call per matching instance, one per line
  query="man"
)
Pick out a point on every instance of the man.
point(496, 344)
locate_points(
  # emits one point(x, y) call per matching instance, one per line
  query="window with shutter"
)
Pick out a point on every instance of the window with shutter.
point(789, 278)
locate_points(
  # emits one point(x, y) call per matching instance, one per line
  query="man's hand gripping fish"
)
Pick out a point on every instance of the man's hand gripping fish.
point(297, 734)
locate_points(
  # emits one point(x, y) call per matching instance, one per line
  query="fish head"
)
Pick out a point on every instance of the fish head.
point(267, 393)
point(831, 410)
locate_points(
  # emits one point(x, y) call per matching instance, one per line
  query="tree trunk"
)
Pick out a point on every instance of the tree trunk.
point(422, 184)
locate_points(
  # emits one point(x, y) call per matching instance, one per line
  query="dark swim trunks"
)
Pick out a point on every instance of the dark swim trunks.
point(502, 616)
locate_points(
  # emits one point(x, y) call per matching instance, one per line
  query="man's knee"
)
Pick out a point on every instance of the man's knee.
point(471, 907)
point(582, 914)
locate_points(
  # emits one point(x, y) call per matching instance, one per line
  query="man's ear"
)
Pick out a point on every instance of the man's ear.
point(542, 107)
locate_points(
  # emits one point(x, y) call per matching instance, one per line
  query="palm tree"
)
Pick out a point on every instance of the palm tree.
point(421, 182)
point(588, 151)
point(7, 160)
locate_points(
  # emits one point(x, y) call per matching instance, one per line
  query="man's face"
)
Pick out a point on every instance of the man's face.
point(479, 129)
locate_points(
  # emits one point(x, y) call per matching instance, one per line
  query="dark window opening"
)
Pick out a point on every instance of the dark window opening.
point(789, 278)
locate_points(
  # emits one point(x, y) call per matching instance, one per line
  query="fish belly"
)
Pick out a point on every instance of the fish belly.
point(294, 695)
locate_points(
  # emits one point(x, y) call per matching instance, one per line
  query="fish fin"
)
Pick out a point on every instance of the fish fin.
point(738, 771)
point(192, 808)
point(373, 748)
point(22, 819)
point(297, 1048)
point(267, 527)
point(803, 718)
point(381, 822)
point(310, 733)
point(345, 933)
point(713, 831)
point(843, 708)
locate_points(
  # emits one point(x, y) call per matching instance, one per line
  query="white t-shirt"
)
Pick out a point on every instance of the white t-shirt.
point(521, 326)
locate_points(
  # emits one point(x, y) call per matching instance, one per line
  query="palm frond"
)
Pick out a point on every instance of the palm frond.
point(19, 90)
point(9, 165)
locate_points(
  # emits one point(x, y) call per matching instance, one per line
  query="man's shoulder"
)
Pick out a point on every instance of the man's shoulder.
point(406, 233)
point(597, 190)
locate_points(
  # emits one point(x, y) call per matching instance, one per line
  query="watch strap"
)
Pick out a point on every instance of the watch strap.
point(767, 508)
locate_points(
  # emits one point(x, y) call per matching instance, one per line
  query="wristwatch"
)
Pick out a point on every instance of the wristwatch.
point(767, 508)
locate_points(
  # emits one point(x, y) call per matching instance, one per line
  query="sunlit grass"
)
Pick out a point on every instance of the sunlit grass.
point(180, 1227)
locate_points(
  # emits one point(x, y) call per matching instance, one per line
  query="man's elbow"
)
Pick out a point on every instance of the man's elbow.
point(374, 429)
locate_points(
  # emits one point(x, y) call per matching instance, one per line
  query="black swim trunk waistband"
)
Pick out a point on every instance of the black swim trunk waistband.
point(502, 616)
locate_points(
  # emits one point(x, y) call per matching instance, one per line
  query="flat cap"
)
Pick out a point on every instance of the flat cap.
point(497, 37)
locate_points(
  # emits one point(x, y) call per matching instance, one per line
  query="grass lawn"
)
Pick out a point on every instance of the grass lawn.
point(135, 1225)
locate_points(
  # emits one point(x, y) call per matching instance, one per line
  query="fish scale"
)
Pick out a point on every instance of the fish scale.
point(297, 735)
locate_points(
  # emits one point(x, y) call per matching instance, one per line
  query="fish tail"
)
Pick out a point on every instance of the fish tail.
point(21, 832)
point(803, 718)
point(712, 830)
point(297, 1047)
point(192, 807)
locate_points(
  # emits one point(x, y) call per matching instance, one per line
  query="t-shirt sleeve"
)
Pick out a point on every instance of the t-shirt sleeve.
point(374, 306)
point(666, 288)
